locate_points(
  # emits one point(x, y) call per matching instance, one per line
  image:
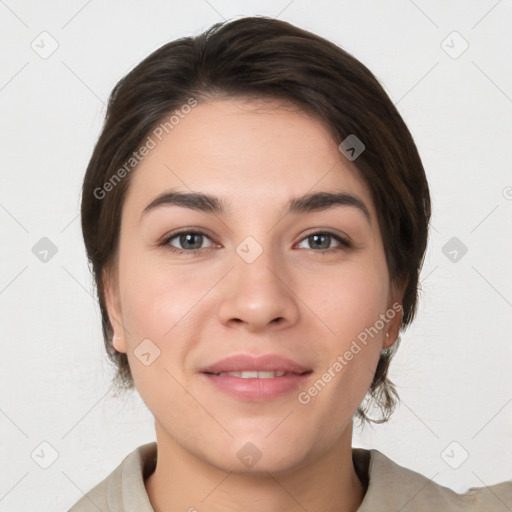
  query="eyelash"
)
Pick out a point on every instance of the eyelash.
point(166, 241)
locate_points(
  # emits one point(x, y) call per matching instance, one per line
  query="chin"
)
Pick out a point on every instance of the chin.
point(249, 460)
point(256, 454)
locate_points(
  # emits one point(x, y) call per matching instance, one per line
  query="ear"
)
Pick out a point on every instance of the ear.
point(394, 313)
point(113, 305)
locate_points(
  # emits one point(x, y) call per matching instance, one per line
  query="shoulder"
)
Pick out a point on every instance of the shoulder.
point(123, 489)
point(394, 487)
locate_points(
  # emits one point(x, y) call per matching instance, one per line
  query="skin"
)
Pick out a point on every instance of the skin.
point(200, 308)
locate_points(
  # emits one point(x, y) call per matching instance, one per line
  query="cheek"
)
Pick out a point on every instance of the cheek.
point(353, 308)
point(156, 298)
point(353, 299)
point(156, 305)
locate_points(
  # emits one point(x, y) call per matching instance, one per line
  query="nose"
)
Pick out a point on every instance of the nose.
point(258, 295)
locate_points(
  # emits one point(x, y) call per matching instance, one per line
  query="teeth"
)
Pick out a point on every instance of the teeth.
point(254, 375)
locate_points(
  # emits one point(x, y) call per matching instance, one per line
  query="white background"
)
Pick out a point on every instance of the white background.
point(453, 369)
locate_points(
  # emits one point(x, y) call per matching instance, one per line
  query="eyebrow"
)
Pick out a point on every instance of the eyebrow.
point(207, 203)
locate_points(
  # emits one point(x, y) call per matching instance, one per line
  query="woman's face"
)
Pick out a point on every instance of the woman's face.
point(272, 284)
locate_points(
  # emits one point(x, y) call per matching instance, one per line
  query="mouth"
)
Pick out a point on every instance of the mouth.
point(249, 366)
point(248, 374)
point(256, 378)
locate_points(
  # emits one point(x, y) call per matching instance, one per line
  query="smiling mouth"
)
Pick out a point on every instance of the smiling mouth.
point(256, 385)
point(257, 374)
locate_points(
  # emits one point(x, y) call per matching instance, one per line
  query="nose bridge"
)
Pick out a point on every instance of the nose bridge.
point(257, 264)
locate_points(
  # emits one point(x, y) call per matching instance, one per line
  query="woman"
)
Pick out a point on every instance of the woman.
point(256, 215)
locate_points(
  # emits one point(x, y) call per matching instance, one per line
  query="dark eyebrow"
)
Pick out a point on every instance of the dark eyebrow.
point(319, 201)
point(312, 202)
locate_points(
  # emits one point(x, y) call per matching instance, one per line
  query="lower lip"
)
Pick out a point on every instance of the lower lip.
point(256, 389)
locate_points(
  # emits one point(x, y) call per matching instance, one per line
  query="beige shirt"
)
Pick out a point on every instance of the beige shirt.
point(390, 488)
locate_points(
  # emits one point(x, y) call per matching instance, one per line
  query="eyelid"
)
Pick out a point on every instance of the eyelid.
point(184, 231)
point(343, 240)
point(328, 231)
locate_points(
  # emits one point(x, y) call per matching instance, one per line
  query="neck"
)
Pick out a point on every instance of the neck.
point(182, 481)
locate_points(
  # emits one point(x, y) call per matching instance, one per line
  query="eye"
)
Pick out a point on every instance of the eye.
point(190, 241)
point(322, 240)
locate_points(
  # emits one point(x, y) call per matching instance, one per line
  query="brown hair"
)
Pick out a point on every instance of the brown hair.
point(266, 58)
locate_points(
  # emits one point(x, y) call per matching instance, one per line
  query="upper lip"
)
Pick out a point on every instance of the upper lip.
point(262, 363)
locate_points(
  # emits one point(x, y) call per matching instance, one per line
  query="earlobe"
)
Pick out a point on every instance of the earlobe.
point(118, 344)
point(394, 313)
point(112, 303)
point(395, 321)
point(115, 343)
point(389, 339)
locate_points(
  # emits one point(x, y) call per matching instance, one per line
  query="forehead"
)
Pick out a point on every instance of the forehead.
point(254, 152)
